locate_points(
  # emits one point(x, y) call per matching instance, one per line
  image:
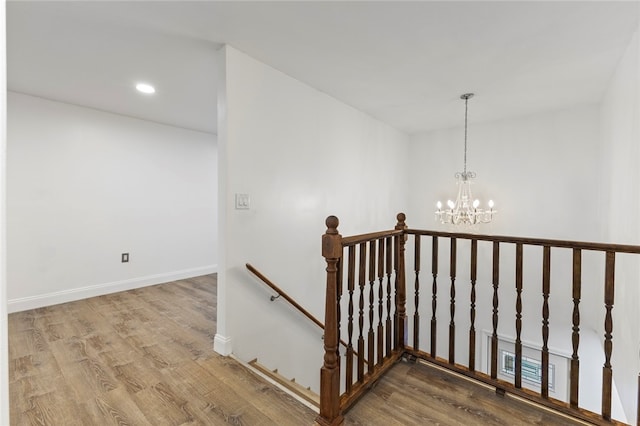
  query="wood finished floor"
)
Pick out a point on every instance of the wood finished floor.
point(141, 357)
point(144, 357)
point(418, 394)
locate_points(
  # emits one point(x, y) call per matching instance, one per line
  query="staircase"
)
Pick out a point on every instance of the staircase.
point(290, 386)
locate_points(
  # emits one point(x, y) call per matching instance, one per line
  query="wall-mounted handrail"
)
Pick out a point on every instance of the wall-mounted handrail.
point(282, 293)
point(288, 298)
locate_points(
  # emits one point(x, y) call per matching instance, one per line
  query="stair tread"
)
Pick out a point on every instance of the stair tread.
point(304, 392)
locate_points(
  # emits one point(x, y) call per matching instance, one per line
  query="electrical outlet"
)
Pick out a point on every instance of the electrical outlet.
point(125, 257)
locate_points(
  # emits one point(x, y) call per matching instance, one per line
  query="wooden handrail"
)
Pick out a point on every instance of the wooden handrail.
point(288, 298)
point(282, 293)
point(618, 248)
point(373, 236)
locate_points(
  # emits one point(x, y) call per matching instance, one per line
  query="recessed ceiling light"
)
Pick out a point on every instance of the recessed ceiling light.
point(145, 88)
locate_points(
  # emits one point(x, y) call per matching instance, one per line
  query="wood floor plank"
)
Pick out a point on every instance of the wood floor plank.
point(214, 400)
point(49, 408)
point(132, 376)
point(21, 321)
point(88, 375)
point(242, 384)
point(23, 390)
point(162, 405)
point(448, 401)
point(32, 364)
point(136, 358)
point(144, 357)
point(417, 394)
point(115, 408)
point(27, 341)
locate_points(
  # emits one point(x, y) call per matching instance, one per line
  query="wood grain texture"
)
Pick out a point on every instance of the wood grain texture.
point(141, 357)
point(144, 357)
point(419, 394)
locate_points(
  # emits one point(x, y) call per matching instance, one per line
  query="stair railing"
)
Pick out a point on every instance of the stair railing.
point(383, 253)
point(285, 296)
point(373, 266)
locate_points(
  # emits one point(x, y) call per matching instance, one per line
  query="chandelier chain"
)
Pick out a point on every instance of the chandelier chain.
point(466, 102)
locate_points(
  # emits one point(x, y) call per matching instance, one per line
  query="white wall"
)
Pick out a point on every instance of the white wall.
point(84, 186)
point(544, 172)
point(4, 350)
point(539, 169)
point(301, 156)
point(621, 154)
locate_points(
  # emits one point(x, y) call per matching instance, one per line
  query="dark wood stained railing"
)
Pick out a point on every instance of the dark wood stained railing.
point(575, 335)
point(296, 305)
point(371, 260)
point(381, 336)
point(284, 295)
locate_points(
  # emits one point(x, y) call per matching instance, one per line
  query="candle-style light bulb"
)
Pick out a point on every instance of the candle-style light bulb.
point(490, 204)
point(476, 203)
point(439, 205)
point(450, 204)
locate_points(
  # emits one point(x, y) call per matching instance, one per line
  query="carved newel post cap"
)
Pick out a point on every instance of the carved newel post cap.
point(331, 240)
point(401, 225)
point(332, 223)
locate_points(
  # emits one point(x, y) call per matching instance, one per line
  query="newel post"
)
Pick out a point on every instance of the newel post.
point(401, 290)
point(330, 413)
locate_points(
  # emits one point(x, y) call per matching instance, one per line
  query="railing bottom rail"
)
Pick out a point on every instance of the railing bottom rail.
point(502, 387)
point(359, 389)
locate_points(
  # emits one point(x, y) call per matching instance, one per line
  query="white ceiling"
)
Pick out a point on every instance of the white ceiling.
point(405, 63)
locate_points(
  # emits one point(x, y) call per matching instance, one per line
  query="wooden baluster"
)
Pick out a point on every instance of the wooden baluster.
point(575, 335)
point(607, 372)
point(380, 332)
point(372, 279)
point(351, 270)
point(472, 328)
point(416, 315)
point(434, 295)
point(396, 285)
point(452, 302)
point(339, 304)
point(361, 283)
point(494, 336)
point(546, 284)
point(401, 340)
point(330, 372)
point(519, 256)
point(388, 321)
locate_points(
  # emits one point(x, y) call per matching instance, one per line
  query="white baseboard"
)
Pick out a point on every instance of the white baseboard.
point(48, 299)
point(222, 345)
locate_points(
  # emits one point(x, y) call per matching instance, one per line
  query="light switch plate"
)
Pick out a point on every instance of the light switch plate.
point(243, 202)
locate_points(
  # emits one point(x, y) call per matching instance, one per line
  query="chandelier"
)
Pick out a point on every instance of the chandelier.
point(465, 210)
